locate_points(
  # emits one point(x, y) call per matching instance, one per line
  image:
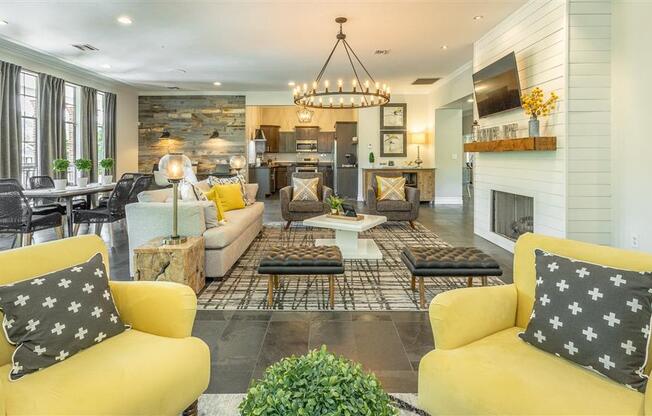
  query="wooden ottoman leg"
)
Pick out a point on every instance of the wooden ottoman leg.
point(469, 281)
point(191, 410)
point(413, 283)
point(331, 291)
point(422, 293)
point(485, 280)
point(270, 290)
point(275, 282)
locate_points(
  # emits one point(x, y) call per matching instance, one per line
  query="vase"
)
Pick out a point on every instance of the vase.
point(107, 179)
point(82, 181)
point(60, 184)
point(533, 126)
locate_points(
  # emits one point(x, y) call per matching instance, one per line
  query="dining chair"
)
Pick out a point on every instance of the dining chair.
point(113, 211)
point(38, 209)
point(102, 201)
point(17, 216)
point(46, 182)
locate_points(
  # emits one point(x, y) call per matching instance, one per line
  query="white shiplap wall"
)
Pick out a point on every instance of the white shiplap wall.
point(538, 35)
point(589, 121)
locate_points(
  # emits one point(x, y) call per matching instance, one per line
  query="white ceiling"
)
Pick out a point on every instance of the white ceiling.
point(253, 45)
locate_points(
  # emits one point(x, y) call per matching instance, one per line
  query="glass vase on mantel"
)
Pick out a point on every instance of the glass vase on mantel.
point(533, 127)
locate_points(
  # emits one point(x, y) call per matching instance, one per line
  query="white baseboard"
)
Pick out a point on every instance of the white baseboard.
point(448, 200)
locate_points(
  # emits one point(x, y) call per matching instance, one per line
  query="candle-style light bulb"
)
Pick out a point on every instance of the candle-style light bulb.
point(388, 90)
point(314, 85)
point(378, 85)
point(384, 87)
point(305, 87)
point(339, 82)
point(354, 82)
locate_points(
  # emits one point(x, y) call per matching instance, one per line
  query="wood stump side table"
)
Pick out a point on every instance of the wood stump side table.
point(183, 263)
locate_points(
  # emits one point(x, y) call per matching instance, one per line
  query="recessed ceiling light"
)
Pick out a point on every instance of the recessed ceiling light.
point(125, 20)
point(217, 83)
point(291, 84)
point(470, 100)
point(3, 23)
point(106, 66)
point(444, 47)
point(478, 17)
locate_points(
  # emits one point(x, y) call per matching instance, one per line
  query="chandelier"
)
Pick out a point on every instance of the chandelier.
point(320, 95)
point(305, 115)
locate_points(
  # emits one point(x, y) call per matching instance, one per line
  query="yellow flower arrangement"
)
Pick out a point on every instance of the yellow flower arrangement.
point(533, 103)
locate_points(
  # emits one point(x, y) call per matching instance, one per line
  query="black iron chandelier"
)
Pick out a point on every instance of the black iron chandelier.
point(320, 95)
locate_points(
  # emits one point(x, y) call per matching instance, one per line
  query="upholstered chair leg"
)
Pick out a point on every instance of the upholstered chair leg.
point(413, 283)
point(275, 282)
point(27, 239)
point(19, 240)
point(98, 228)
point(59, 231)
point(331, 291)
point(191, 410)
point(287, 224)
point(469, 281)
point(270, 290)
point(110, 227)
point(422, 293)
point(76, 229)
point(412, 225)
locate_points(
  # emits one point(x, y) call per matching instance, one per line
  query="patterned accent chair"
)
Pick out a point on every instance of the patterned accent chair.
point(301, 210)
point(407, 210)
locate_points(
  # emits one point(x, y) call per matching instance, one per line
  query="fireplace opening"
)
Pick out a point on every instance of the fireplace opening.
point(512, 214)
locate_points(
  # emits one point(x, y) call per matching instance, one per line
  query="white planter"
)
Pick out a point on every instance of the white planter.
point(60, 184)
point(107, 179)
point(82, 182)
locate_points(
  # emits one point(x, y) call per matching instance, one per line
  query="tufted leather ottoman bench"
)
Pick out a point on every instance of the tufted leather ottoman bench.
point(309, 260)
point(469, 262)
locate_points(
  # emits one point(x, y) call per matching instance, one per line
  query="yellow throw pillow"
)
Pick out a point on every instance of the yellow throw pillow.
point(230, 196)
point(213, 196)
point(391, 188)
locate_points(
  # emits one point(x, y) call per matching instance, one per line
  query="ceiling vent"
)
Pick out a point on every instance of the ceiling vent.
point(381, 52)
point(174, 88)
point(425, 81)
point(85, 47)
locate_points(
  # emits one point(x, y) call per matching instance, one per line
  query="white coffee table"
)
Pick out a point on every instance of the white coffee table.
point(346, 235)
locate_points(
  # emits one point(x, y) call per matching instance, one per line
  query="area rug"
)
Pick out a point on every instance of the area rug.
point(227, 404)
point(367, 285)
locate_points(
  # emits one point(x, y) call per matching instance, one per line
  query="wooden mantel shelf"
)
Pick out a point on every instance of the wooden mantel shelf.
point(513, 145)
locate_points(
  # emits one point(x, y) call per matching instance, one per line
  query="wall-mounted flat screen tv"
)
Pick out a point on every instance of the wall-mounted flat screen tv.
point(497, 87)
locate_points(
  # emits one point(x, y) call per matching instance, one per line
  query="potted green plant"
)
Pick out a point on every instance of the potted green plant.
point(60, 168)
point(372, 159)
point(107, 165)
point(318, 383)
point(335, 203)
point(83, 168)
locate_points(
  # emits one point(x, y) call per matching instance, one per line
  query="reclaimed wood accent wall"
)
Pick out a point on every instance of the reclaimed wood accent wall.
point(191, 119)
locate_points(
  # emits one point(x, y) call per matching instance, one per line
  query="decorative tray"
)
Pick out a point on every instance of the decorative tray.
point(344, 217)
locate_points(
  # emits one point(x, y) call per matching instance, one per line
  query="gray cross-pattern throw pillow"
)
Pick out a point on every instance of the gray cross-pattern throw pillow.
point(52, 317)
point(593, 315)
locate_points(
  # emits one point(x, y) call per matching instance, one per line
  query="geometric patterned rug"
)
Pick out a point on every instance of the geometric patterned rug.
point(367, 285)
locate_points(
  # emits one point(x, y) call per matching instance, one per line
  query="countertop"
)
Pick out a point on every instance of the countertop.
point(288, 164)
point(398, 168)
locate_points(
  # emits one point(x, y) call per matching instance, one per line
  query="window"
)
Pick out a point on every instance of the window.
point(71, 117)
point(29, 120)
point(101, 151)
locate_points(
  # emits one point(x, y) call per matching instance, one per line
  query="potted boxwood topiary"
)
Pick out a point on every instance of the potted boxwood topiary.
point(334, 202)
point(318, 383)
point(83, 168)
point(107, 165)
point(60, 168)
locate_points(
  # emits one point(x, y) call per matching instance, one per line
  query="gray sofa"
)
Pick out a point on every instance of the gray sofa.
point(407, 210)
point(302, 210)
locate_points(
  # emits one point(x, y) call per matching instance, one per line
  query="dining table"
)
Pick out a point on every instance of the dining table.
point(68, 194)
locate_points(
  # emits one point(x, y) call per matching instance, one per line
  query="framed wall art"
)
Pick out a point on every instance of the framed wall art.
point(393, 143)
point(393, 116)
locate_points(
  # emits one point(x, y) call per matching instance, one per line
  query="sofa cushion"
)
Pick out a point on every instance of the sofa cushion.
point(501, 375)
point(236, 222)
point(389, 205)
point(594, 315)
point(306, 206)
point(54, 316)
point(134, 373)
point(157, 195)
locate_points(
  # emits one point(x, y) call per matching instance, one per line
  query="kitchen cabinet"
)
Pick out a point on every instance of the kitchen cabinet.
point(306, 132)
point(287, 142)
point(347, 183)
point(272, 134)
point(325, 141)
point(281, 177)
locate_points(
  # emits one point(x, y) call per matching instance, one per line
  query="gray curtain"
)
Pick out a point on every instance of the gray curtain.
point(110, 127)
point(88, 127)
point(51, 126)
point(10, 125)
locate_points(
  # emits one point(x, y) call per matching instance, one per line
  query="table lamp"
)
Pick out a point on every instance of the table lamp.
point(418, 139)
point(238, 163)
point(175, 166)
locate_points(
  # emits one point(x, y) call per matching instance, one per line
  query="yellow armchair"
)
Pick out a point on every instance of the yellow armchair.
point(155, 368)
point(481, 367)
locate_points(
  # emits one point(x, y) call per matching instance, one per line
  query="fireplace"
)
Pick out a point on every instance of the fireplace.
point(512, 214)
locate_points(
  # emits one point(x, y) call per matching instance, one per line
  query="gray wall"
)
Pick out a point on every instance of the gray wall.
point(190, 121)
point(448, 156)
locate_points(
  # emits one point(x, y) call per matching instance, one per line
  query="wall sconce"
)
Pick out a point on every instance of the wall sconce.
point(165, 134)
point(215, 134)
